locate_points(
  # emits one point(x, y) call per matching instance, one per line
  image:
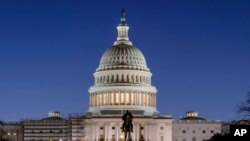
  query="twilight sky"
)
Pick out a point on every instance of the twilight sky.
point(197, 50)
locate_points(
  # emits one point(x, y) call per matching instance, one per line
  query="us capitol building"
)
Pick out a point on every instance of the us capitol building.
point(121, 82)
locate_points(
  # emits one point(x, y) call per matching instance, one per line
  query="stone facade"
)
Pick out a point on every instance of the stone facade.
point(52, 128)
point(123, 82)
point(194, 128)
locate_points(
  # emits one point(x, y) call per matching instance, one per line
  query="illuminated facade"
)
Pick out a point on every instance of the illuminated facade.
point(123, 82)
point(123, 79)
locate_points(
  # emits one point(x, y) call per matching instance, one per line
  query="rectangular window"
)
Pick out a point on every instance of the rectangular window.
point(139, 96)
point(127, 99)
point(112, 99)
point(117, 98)
point(162, 138)
point(97, 100)
point(144, 99)
point(100, 99)
point(122, 98)
point(104, 98)
point(132, 99)
point(147, 99)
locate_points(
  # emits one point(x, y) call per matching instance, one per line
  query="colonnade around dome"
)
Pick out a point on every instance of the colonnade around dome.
point(122, 98)
point(142, 78)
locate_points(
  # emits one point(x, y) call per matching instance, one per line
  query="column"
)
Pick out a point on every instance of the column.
point(155, 100)
point(119, 78)
point(139, 99)
point(132, 96)
point(124, 97)
point(150, 132)
point(97, 132)
point(155, 131)
point(105, 132)
point(146, 132)
point(103, 98)
point(100, 99)
point(114, 97)
point(135, 93)
point(97, 100)
point(114, 80)
point(151, 103)
point(117, 130)
point(108, 130)
point(108, 98)
point(135, 131)
point(94, 132)
point(94, 100)
point(119, 95)
point(138, 127)
point(90, 100)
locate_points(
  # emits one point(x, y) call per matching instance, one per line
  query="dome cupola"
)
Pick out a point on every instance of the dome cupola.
point(123, 55)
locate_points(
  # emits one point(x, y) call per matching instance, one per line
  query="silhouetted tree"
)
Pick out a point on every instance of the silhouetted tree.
point(244, 107)
point(220, 137)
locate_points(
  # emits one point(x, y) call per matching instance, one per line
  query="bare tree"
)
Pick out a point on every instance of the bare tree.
point(244, 107)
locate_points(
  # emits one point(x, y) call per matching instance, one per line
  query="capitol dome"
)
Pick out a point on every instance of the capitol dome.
point(122, 80)
point(123, 56)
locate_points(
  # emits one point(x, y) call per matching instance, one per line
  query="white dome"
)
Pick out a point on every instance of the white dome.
point(123, 56)
point(122, 80)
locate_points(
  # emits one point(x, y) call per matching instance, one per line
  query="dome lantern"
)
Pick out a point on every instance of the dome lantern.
point(122, 31)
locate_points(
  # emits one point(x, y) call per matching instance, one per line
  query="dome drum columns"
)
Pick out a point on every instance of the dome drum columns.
point(122, 98)
point(141, 78)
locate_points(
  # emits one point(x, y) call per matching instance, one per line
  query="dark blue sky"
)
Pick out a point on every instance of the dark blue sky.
point(197, 50)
